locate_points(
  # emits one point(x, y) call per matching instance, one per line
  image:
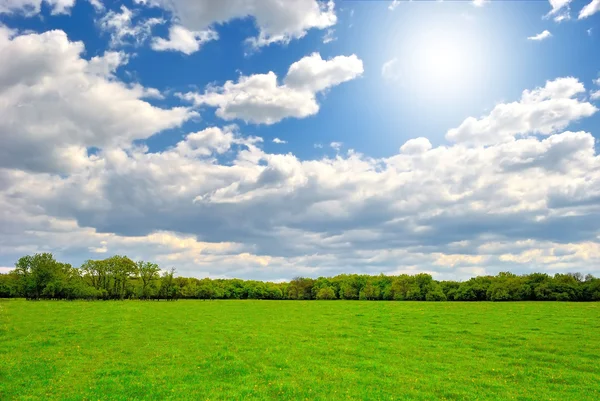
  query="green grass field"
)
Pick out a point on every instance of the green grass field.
point(292, 350)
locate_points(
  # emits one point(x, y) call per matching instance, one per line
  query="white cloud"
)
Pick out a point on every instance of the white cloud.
point(595, 95)
point(279, 141)
point(541, 36)
point(541, 111)
point(33, 7)
point(276, 21)
point(261, 99)
point(564, 16)
point(391, 70)
point(560, 10)
point(183, 40)
point(558, 6)
point(392, 5)
point(447, 210)
point(97, 4)
point(55, 104)
point(479, 3)
point(328, 37)
point(216, 204)
point(99, 249)
point(590, 9)
point(336, 146)
point(416, 146)
point(123, 31)
point(312, 73)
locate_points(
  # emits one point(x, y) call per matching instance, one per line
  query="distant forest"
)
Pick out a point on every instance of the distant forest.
point(40, 276)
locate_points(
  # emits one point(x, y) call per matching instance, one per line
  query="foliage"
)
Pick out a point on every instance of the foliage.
point(40, 276)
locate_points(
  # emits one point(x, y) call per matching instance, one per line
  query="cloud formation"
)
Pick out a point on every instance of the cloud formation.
point(56, 105)
point(540, 111)
point(276, 21)
point(516, 189)
point(123, 31)
point(590, 9)
point(541, 36)
point(183, 40)
point(260, 99)
point(33, 7)
point(560, 10)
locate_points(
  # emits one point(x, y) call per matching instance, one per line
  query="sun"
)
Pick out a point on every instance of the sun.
point(439, 60)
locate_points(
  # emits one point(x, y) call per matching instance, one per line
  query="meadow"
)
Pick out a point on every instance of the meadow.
point(293, 350)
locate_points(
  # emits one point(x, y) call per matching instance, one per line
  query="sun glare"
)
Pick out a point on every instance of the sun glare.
point(439, 62)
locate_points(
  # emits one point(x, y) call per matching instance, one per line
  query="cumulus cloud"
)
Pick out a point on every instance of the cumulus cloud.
point(55, 104)
point(32, 7)
point(336, 146)
point(277, 21)
point(590, 9)
point(416, 146)
point(437, 209)
point(558, 6)
point(260, 99)
point(97, 4)
point(541, 36)
point(560, 10)
point(183, 40)
point(122, 29)
point(279, 141)
point(215, 203)
point(540, 111)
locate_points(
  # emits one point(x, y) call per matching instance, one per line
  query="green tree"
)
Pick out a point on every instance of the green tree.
point(35, 273)
point(434, 292)
point(148, 273)
point(326, 293)
point(168, 289)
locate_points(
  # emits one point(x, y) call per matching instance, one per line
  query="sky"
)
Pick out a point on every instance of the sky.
point(263, 139)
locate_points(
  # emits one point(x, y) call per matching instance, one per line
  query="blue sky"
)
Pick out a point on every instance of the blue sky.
point(404, 139)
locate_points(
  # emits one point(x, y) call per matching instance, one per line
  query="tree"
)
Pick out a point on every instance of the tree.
point(40, 276)
point(369, 292)
point(326, 293)
point(121, 269)
point(35, 273)
point(97, 274)
point(434, 292)
point(148, 274)
point(449, 288)
point(168, 289)
point(206, 289)
point(300, 288)
point(348, 291)
point(8, 285)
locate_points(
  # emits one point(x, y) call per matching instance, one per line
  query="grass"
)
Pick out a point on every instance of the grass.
point(293, 350)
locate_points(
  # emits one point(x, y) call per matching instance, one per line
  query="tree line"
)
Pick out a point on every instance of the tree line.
point(40, 276)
